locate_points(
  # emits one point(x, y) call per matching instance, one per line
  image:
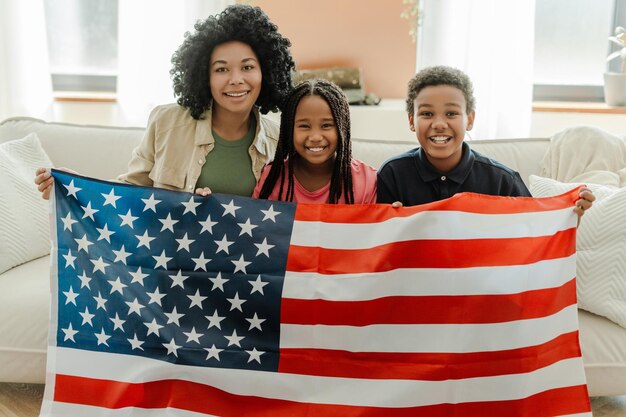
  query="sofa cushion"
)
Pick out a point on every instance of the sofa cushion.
point(24, 231)
point(601, 245)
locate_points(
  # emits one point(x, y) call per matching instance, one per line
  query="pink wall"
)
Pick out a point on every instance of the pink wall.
point(357, 33)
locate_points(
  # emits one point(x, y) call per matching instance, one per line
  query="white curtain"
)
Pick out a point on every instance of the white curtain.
point(25, 83)
point(150, 31)
point(491, 41)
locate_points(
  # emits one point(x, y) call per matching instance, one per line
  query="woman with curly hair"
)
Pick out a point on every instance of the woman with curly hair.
point(231, 71)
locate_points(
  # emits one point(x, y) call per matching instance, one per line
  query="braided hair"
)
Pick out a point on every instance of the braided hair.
point(341, 178)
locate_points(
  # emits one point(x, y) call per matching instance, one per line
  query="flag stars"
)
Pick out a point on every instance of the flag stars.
point(263, 248)
point(69, 333)
point(230, 208)
point(207, 225)
point(193, 336)
point(190, 206)
point(134, 307)
point(118, 323)
point(127, 219)
point(257, 285)
point(138, 276)
point(162, 260)
point(218, 282)
point(87, 317)
point(222, 245)
point(89, 212)
point(135, 343)
point(83, 244)
point(168, 223)
point(196, 299)
point(117, 286)
point(215, 320)
point(174, 317)
point(99, 265)
point(200, 262)
point(270, 214)
point(184, 243)
point(255, 322)
point(236, 302)
point(102, 338)
point(213, 352)
point(246, 228)
point(255, 355)
point(234, 339)
point(70, 296)
point(144, 240)
point(100, 302)
point(68, 221)
point(153, 328)
point(121, 255)
point(172, 348)
point(150, 203)
point(178, 279)
point(105, 233)
point(110, 198)
point(240, 265)
point(72, 189)
point(69, 259)
point(84, 281)
point(155, 297)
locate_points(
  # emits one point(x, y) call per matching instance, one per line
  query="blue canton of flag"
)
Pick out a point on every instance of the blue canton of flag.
point(168, 275)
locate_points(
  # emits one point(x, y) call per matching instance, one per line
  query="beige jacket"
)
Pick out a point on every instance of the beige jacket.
point(175, 145)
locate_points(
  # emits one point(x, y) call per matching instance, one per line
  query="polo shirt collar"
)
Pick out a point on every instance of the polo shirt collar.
point(429, 173)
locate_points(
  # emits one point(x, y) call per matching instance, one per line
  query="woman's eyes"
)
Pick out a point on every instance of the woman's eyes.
point(248, 67)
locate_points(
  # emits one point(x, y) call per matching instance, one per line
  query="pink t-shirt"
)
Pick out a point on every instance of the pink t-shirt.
point(363, 184)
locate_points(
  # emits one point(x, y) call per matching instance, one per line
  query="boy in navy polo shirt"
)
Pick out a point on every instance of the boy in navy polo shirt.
point(441, 108)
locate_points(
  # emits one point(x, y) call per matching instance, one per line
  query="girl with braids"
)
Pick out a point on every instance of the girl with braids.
point(313, 161)
point(234, 68)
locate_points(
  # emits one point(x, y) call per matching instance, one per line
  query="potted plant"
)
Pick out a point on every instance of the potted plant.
point(615, 82)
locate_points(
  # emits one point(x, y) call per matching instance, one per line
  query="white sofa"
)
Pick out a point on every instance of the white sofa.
point(103, 152)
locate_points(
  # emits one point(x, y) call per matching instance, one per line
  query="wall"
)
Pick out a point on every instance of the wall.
point(369, 34)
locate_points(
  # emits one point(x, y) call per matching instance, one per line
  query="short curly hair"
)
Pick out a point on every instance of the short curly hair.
point(238, 22)
point(440, 75)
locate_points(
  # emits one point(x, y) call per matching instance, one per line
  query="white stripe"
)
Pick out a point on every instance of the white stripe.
point(430, 281)
point(453, 338)
point(73, 410)
point(448, 225)
point(325, 390)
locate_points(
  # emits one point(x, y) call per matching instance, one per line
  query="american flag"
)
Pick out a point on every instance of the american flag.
point(172, 304)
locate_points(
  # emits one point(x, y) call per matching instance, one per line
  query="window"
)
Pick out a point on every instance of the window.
point(571, 46)
point(82, 42)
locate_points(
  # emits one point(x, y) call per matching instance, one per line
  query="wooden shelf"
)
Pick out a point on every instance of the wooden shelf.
point(576, 107)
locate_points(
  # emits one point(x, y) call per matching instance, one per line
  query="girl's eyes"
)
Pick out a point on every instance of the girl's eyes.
point(327, 126)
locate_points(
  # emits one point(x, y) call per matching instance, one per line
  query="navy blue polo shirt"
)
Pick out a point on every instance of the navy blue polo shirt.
point(411, 179)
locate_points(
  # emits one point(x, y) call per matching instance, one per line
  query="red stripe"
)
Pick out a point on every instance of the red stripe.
point(433, 254)
point(199, 398)
point(465, 202)
point(439, 309)
point(428, 366)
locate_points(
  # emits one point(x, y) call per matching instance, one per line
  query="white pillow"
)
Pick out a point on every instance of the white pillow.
point(600, 246)
point(24, 230)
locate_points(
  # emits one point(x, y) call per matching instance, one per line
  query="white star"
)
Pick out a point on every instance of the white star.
point(184, 243)
point(213, 352)
point(161, 260)
point(234, 339)
point(134, 307)
point(230, 208)
point(240, 265)
point(255, 322)
point(99, 265)
point(215, 320)
point(236, 302)
point(150, 203)
point(193, 336)
point(168, 223)
point(138, 276)
point(155, 297)
point(69, 259)
point(172, 347)
point(270, 214)
point(71, 189)
point(83, 244)
point(263, 248)
point(121, 255)
point(144, 240)
point(196, 299)
point(100, 302)
point(254, 355)
point(118, 323)
point(105, 233)
point(71, 296)
point(257, 285)
point(178, 279)
point(84, 280)
point(153, 328)
point(173, 317)
point(200, 262)
point(246, 228)
point(222, 245)
point(207, 225)
point(68, 222)
point(69, 333)
point(110, 198)
point(117, 286)
point(102, 338)
point(87, 316)
point(127, 219)
point(89, 212)
point(190, 206)
point(135, 343)
point(218, 282)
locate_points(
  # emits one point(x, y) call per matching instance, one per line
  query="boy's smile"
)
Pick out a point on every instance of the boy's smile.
point(440, 121)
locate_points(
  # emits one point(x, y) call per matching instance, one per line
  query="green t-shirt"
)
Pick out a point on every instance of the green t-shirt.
point(228, 167)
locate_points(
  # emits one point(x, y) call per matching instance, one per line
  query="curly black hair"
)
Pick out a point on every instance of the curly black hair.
point(440, 75)
point(238, 22)
point(341, 179)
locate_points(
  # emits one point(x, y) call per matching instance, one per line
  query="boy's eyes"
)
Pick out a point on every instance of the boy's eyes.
point(430, 114)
